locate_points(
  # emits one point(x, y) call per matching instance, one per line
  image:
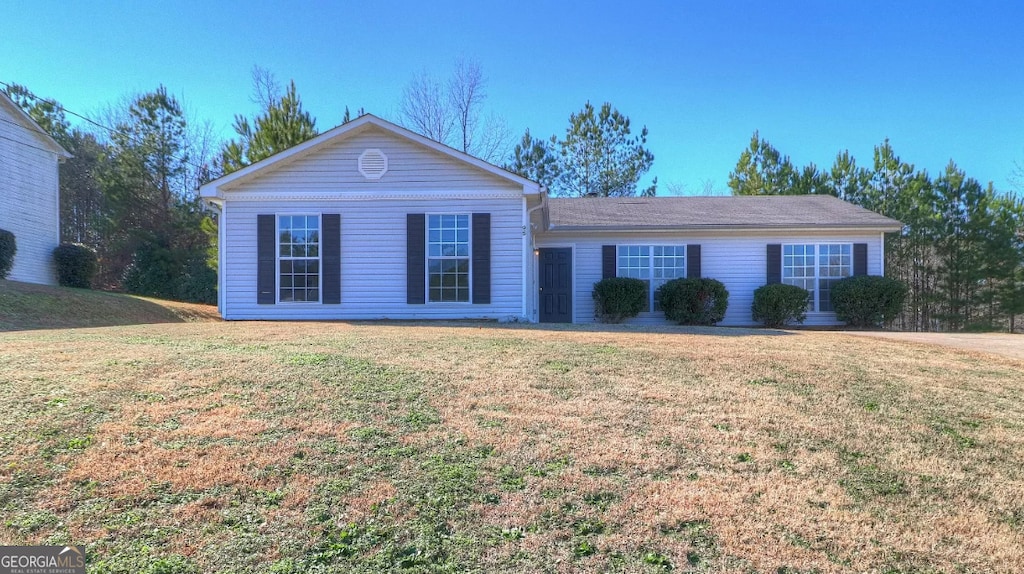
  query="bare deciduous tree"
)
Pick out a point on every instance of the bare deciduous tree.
point(452, 112)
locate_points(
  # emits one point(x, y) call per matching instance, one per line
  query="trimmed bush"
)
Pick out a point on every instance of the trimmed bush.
point(696, 301)
point(619, 298)
point(8, 247)
point(868, 300)
point(76, 265)
point(778, 304)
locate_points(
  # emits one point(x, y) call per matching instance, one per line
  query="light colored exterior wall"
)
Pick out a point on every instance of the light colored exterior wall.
point(29, 199)
point(737, 259)
point(373, 230)
point(411, 167)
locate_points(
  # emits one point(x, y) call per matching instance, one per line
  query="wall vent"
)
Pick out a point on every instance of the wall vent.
point(373, 164)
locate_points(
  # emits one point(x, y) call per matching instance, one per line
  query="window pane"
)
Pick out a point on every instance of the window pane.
point(798, 268)
point(299, 265)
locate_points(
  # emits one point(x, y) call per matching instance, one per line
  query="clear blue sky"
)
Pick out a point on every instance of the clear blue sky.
point(942, 79)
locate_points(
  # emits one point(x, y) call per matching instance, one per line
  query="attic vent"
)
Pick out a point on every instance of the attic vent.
point(373, 164)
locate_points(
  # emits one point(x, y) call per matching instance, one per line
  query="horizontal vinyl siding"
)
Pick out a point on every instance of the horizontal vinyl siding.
point(737, 260)
point(411, 167)
point(29, 205)
point(373, 260)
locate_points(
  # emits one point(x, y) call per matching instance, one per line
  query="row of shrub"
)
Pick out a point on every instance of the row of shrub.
point(862, 301)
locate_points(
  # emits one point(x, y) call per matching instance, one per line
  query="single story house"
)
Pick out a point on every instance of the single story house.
point(372, 221)
point(29, 193)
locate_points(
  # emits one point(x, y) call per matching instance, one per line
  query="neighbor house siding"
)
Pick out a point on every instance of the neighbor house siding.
point(373, 260)
point(739, 260)
point(29, 199)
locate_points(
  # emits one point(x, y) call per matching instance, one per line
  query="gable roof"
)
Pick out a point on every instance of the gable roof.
point(214, 188)
point(26, 122)
point(717, 212)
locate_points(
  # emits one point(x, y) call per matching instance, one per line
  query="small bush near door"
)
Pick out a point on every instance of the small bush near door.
point(778, 304)
point(868, 300)
point(8, 247)
point(619, 298)
point(76, 265)
point(695, 301)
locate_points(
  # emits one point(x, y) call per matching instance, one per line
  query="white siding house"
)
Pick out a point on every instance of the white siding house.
point(805, 240)
point(29, 193)
point(398, 227)
point(371, 221)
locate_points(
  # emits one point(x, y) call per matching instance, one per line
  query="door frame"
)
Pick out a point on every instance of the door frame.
point(572, 276)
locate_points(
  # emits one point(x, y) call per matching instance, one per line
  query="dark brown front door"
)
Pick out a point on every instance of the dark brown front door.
point(556, 285)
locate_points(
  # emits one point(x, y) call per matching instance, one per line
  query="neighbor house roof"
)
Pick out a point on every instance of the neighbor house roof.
point(26, 122)
point(215, 187)
point(725, 212)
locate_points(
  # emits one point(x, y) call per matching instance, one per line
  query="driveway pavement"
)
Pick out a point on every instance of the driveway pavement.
point(999, 343)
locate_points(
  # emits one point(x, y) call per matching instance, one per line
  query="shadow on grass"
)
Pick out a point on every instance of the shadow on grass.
point(590, 328)
point(24, 306)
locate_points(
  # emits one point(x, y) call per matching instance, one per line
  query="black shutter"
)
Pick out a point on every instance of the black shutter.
point(693, 261)
point(774, 263)
point(481, 289)
point(415, 258)
point(266, 259)
point(860, 258)
point(331, 239)
point(608, 266)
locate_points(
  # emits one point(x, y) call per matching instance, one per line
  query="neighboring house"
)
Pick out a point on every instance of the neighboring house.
point(29, 193)
point(372, 221)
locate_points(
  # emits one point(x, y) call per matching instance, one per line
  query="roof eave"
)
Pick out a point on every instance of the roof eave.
point(62, 154)
point(889, 228)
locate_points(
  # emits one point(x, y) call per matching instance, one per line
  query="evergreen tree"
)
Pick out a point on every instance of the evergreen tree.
point(846, 180)
point(534, 159)
point(762, 170)
point(281, 124)
point(598, 156)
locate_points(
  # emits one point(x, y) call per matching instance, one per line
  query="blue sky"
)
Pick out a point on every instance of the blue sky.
point(943, 80)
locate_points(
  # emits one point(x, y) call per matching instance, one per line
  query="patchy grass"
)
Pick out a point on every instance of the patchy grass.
point(27, 306)
point(285, 447)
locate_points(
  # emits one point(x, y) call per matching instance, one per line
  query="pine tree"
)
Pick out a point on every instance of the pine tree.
point(281, 125)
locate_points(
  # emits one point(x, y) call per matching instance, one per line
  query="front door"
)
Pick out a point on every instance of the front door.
point(556, 285)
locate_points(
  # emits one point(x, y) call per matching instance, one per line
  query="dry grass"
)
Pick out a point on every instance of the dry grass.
point(27, 306)
point(285, 447)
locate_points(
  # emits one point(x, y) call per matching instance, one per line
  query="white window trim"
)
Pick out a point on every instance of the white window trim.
point(319, 258)
point(427, 258)
point(650, 266)
point(817, 272)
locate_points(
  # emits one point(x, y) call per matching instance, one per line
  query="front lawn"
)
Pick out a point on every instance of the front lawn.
point(305, 447)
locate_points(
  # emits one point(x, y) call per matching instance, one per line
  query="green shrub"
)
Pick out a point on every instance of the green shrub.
point(778, 304)
point(696, 301)
point(619, 298)
point(76, 265)
point(8, 247)
point(868, 300)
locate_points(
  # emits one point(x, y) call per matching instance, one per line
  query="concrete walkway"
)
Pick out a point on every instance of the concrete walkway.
point(999, 343)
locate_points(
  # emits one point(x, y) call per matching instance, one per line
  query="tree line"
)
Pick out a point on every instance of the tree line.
point(130, 191)
point(961, 251)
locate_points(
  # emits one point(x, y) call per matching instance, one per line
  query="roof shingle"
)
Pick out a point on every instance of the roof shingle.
point(715, 212)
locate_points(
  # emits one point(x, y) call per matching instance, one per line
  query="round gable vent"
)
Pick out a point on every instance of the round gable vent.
point(373, 164)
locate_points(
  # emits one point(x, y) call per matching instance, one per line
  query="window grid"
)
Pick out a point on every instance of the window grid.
point(298, 258)
point(816, 267)
point(835, 261)
point(448, 258)
point(669, 263)
point(654, 264)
